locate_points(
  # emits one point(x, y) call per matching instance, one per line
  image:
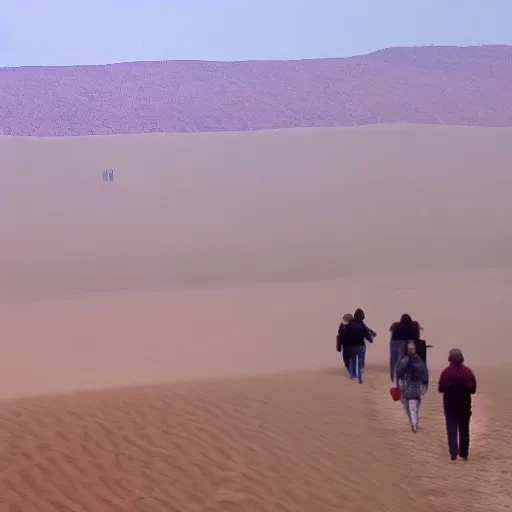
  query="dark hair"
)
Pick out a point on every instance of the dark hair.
point(406, 320)
point(417, 325)
point(359, 314)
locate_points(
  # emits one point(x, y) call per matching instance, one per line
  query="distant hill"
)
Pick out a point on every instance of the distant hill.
point(435, 85)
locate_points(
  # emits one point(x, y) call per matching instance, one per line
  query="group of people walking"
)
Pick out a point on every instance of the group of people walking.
point(108, 175)
point(410, 376)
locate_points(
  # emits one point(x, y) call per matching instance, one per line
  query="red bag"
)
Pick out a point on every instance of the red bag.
point(395, 393)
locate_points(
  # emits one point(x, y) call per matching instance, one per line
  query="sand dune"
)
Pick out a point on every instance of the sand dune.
point(114, 339)
point(302, 442)
point(227, 254)
point(187, 209)
point(433, 84)
point(236, 254)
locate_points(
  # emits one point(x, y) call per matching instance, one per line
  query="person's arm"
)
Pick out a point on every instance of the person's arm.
point(401, 368)
point(339, 337)
point(472, 384)
point(444, 381)
point(368, 334)
point(425, 375)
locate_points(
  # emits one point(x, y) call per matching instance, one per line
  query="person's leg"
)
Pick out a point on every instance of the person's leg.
point(414, 410)
point(405, 403)
point(451, 432)
point(351, 361)
point(401, 349)
point(398, 354)
point(363, 357)
point(393, 359)
point(356, 362)
point(463, 426)
point(360, 360)
point(346, 358)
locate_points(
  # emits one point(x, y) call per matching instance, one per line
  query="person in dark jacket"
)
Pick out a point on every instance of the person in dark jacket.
point(339, 340)
point(359, 314)
point(355, 334)
point(457, 383)
point(401, 333)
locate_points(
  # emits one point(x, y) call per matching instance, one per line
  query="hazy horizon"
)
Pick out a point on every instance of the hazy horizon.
point(255, 60)
point(228, 30)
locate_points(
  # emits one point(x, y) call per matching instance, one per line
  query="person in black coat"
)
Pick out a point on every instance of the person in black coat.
point(339, 340)
point(457, 383)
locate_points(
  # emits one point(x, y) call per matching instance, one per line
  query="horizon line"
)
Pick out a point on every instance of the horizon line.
point(224, 133)
point(213, 61)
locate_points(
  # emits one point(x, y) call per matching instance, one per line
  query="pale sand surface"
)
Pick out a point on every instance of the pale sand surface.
point(113, 339)
point(213, 209)
point(236, 255)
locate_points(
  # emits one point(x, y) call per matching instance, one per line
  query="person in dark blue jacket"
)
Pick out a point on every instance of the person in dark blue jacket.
point(359, 314)
point(355, 335)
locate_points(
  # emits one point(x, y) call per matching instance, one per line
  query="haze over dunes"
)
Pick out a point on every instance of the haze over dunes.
point(434, 85)
point(326, 216)
point(185, 205)
point(236, 254)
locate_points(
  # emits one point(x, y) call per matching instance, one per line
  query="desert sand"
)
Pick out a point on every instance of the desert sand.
point(225, 261)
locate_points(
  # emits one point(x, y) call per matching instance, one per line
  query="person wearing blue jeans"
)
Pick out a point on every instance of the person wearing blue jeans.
point(355, 334)
point(356, 362)
point(396, 353)
point(359, 314)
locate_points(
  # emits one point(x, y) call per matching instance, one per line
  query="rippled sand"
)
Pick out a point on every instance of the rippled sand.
point(296, 442)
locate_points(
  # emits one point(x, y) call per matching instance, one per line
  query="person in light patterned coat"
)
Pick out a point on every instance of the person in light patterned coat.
point(412, 379)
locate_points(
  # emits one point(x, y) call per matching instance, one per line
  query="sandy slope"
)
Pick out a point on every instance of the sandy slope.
point(113, 339)
point(236, 254)
point(214, 209)
point(291, 443)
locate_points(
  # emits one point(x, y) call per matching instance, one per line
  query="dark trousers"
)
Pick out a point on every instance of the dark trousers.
point(346, 358)
point(457, 430)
